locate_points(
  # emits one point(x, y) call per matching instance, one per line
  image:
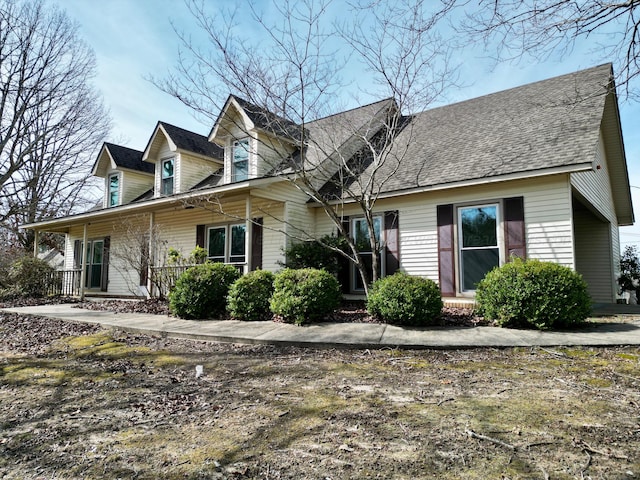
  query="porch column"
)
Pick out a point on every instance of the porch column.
point(36, 240)
point(83, 263)
point(150, 255)
point(248, 235)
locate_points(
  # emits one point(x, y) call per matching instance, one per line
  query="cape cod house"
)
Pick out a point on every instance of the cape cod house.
point(538, 171)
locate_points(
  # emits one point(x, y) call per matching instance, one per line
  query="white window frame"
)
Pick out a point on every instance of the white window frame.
point(355, 273)
point(459, 240)
point(228, 233)
point(118, 190)
point(172, 177)
point(235, 145)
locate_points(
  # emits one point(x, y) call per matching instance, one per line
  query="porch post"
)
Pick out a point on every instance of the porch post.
point(150, 255)
point(83, 263)
point(36, 240)
point(248, 235)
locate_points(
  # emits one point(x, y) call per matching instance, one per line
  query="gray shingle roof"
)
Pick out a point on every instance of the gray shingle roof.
point(268, 121)
point(128, 158)
point(551, 123)
point(192, 142)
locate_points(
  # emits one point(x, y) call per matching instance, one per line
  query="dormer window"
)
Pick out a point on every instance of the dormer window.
point(166, 187)
point(240, 158)
point(114, 189)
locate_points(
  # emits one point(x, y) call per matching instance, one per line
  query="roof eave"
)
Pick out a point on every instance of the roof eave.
point(64, 223)
point(580, 167)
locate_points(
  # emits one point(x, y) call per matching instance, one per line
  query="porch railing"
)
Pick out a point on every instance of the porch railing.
point(163, 279)
point(64, 282)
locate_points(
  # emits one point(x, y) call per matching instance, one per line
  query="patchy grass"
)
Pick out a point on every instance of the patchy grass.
point(113, 405)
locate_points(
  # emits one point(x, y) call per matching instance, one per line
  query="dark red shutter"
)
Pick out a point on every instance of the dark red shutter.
point(256, 244)
point(200, 232)
point(77, 254)
point(446, 251)
point(104, 279)
point(514, 228)
point(344, 272)
point(392, 249)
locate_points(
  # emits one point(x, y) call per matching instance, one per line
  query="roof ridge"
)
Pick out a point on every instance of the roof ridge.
point(518, 87)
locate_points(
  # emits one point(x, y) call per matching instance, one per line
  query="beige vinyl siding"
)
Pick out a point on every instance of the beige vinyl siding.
point(134, 184)
point(547, 204)
point(193, 170)
point(593, 236)
point(595, 186)
point(271, 152)
point(298, 215)
point(179, 230)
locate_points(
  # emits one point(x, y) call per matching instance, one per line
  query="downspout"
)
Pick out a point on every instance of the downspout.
point(83, 262)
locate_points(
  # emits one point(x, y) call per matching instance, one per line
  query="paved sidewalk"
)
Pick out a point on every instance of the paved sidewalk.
point(355, 335)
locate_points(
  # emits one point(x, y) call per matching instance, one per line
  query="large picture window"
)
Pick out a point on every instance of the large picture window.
point(227, 244)
point(166, 186)
point(362, 240)
point(240, 160)
point(478, 243)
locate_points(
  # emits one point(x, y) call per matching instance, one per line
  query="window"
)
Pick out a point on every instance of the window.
point(362, 240)
point(166, 187)
point(227, 244)
point(114, 190)
point(478, 243)
point(240, 159)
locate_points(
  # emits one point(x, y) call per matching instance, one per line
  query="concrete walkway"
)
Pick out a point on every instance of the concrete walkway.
point(624, 329)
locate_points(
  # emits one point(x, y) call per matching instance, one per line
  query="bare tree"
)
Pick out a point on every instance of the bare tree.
point(541, 28)
point(291, 68)
point(51, 118)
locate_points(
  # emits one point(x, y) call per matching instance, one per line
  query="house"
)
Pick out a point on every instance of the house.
point(537, 171)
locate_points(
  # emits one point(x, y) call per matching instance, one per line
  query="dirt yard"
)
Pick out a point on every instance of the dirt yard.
point(77, 401)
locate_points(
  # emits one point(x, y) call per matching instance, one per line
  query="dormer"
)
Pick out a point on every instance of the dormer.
point(126, 176)
point(182, 159)
point(255, 141)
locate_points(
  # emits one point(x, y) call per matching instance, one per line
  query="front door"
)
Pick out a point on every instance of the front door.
point(95, 252)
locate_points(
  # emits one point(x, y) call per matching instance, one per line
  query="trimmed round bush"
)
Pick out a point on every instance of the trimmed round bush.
point(249, 296)
point(402, 299)
point(533, 294)
point(304, 295)
point(201, 291)
point(30, 277)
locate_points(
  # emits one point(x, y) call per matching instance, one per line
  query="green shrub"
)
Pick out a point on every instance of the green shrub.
point(314, 254)
point(402, 299)
point(532, 293)
point(201, 291)
point(304, 295)
point(249, 296)
point(30, 277)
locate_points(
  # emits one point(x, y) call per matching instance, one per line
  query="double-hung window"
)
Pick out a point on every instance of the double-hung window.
point(227, 243)
point(166, 186)
point(363, 242)
point(114, 189)
point(240, 160)
point(478, 243)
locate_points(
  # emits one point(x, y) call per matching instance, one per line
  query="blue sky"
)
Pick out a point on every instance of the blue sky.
point(133, 39)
